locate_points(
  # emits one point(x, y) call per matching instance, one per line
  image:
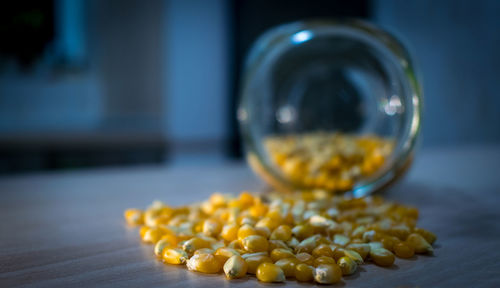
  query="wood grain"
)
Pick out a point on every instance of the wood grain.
point(66, 229)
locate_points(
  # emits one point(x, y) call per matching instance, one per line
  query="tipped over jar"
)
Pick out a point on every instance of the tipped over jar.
point(330, 105)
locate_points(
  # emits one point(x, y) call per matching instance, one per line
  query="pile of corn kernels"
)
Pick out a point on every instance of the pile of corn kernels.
point(307, 236)
point(331, 161)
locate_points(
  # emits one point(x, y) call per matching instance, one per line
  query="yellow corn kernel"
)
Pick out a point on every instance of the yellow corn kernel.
point(411, 212)
point(230, 232)
point(354, 256)
point(263, 231)
point(304, 272)
point(403, 250)
point(245, 231)
point(287, 265)
point(248, 255)
point(204, 251)
point(254, 243)
point(273, 244)
point(320, 223)
point(347, 265)
point(160, 246)
point(370, 235)
point(152, 235)
point(225, 253)
point(235, 267)
point(246, 199)
point(305, 258)
point(143, 230)
point(184, 236)
point(267, 222)
point(344, 184)
point(292, 243)
point(323, 260)
point(302, 231)
point(247, 220)
point(150, 216)
point(234, 203)
point(358, 232)
point(307, 245)
point(258, 210)
point(134, 217)
point(275, 215)
point(322, 250)
point(160, 220)
point(382, 257)
point(170, 239)
point(211, 228)
point(327, 274)
point(356, 241)
point(174, 256)
point(401, 231)
point(235, 244)
point(428, 236)
point(268, 272)
point(208, 208)
point(389, 242)
point(375, 245)
point(282, 232)
point(341, 240)
point(205, 263)
point(419, 244)
point(254, 261)
point(338, 253)
point(225, 216)
point(242, 252)
point(324, 240)
point(363, 249)
point(216, 245)
point(194, 244)
point(217, 200)
point(281, 253)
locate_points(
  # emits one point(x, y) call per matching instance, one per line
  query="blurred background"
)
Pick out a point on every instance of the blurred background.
point(127, 82)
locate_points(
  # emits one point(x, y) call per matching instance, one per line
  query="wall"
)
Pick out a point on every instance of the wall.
point(456, 45)
point(196, 74)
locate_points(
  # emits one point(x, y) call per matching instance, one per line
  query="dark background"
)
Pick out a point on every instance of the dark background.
point(100, 83)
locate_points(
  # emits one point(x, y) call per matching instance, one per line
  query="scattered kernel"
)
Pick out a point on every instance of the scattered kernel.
point(307, 235)
point(268, 272)
point(235, 267)
point(134, 217)
point(403, 250)
point(288, 266)
point(347, 265)
point(304, 272)
point(175, 256)
point(254, 243)
point(419, 244)
point(254, 262)
point(205, 263)
point(327, 274)
point(281, 253)
point(382, 257)
point(428, 235)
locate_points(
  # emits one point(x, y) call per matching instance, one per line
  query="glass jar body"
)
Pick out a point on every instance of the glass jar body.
point(332, 105)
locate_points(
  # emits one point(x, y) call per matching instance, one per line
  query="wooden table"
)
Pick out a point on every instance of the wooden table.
point(66, 229)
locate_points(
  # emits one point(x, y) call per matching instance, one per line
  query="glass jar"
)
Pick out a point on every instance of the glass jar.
point(331, 105)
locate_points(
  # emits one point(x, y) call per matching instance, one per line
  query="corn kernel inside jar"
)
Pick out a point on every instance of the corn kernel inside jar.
point(330, 161)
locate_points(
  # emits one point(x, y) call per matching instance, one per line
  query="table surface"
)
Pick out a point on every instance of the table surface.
point(66, 229)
